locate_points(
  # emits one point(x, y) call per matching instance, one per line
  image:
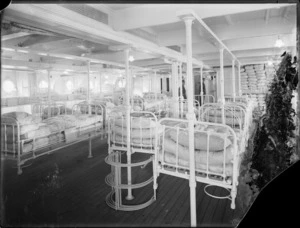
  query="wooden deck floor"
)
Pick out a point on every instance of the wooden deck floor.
point(68, 189)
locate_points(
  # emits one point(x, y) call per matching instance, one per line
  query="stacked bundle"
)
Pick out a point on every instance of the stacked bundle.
point(244, 80)
point(261, 77)
point(270, 72)
point(252, 80)
point(261, 100)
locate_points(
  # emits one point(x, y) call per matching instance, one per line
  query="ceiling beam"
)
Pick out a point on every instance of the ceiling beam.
point(228, 20)
point(244, 61)
point(119, 56)
point(245, 54)
point(63, 56)
point(245, 29)
point(267, 16)
point(148, 62)
point(57, 18)
point(44, 42)
point(14, 35)
point(43, 66)
point(245, 44)
point(166, 13)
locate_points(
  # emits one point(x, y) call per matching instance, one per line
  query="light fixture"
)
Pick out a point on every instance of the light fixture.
point(131, 59)
point(270, 62)
point(279, 43)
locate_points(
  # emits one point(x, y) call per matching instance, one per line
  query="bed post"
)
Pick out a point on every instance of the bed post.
point(128, 85)
point(175, 88)
point(180, 87)
point(49, 94)
point(88, 85)
point(239, 76)
point(233, 79)
point(188, 18)
point(222, 98)
point(100, 82)
point(201, 85)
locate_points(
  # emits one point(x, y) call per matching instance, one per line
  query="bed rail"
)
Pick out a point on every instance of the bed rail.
point(49, 109)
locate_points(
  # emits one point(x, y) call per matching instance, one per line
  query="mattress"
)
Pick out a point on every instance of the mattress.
point(215, 159)
point(216, 142)
point(218, 169)
point(136, 132)
point(136, 122)
point(137, 141)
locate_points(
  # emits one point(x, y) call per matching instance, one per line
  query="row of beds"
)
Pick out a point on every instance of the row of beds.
point(218, 147)
point(52, 126)
point(154, 130)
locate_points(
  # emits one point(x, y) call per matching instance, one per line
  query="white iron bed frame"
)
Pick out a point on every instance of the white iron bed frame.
point(82, 134)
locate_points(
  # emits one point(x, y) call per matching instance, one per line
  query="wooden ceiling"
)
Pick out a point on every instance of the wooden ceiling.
point(81, 32)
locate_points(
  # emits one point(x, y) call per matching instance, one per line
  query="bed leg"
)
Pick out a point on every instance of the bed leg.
point(233, 196)
point(90, 148)
point(19, 169)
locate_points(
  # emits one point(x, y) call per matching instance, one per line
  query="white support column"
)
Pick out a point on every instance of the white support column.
point(155, 76)
point(222, 98)
point(88, 85)
point(128, 108)
point(239, 76)
point(142, 84)
point(175, 89)
point(49, 85)
point(180, 89)
point(150, 82)
point(201, 84)
point(233, 80)
point(100, 82)
point(49, 91)
point(190, 116)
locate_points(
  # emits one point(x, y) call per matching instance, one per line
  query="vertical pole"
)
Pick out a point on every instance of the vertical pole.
point(49, 94)
point(49, 86)
point(233, 79)
point(201, 84)
point(175, 88)
point(239, 76)
point(222, 98)
point(180, 88)
point(155, 76)
point(100, 82)
point(88, 85)
point(190, 116)
point(142, 84)
point(128, 83)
